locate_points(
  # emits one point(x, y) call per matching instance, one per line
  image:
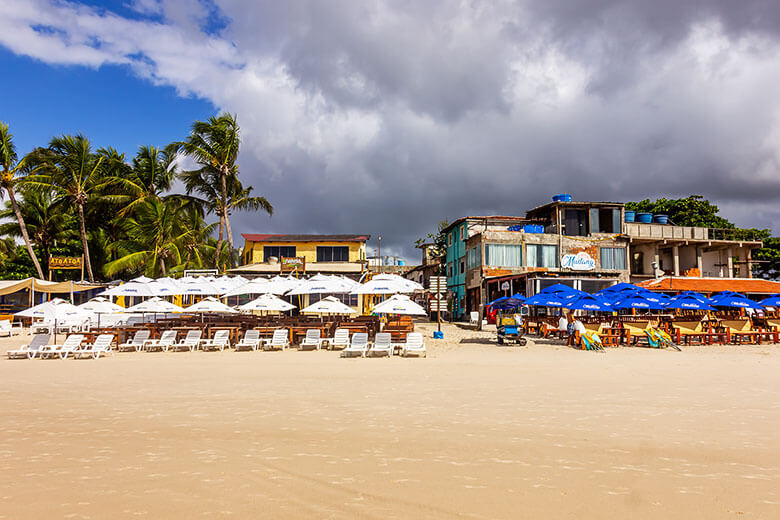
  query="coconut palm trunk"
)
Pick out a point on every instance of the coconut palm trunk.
point(23, 229)
point(84, 243)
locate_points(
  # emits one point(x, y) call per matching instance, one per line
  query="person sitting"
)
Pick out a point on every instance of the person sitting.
point(563, 326)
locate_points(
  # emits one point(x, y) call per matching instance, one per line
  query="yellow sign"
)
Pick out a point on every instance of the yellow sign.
point(65, 262)
point(293, 263)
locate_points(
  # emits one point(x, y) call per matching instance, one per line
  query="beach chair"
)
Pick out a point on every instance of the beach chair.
point(474, 319)
point(164, 342)
point(633, 330)
point(590, 340)
point(102, 345)
point(657, 338)
point(414, 345)
point(220, 340)
point(358, 345)
point(383, 343)
point(280, 339)
point(69, 346)
point(313, 339)
point(695, 332)
point(137, 343)
point(30, 350)
point(9, 329)
point(41, 327)
point(251, 340)
point(340, 339)
point(190, 342)
point(740, 331)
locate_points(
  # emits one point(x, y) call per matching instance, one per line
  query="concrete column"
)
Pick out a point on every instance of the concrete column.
point(730, 262)
point(657, 258)
point(676, 259)
point(699, 262)
point(749, 258)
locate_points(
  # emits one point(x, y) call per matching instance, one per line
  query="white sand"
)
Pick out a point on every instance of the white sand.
point(474, 430)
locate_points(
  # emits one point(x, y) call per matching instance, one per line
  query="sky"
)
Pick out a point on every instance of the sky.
point(380, 117)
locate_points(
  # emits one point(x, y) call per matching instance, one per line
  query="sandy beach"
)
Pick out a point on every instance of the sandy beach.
point(473, 430)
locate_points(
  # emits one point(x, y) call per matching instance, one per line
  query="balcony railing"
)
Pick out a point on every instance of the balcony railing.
point(669, 232)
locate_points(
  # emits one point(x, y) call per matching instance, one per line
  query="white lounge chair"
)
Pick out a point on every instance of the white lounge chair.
point(474, 318)
point(251, 340)
point(340, 339)
point(164, 342)
point(69, 346)
point(9, 329)
point(280, 339)
point(313, 339)
point(358, 345)
point(32, 349)
point(190, 342)
point(137, 343)
point(414, 344)
point(220, 340)
point(42, 326)
point(102, 345)
point(383, 343)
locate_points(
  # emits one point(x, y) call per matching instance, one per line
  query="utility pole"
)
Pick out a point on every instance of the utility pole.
point(379, 254)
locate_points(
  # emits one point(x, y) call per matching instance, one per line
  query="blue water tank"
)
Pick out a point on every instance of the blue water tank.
point(630, 215)
point(402, 262)
point(644, 218)
point(562, 197)
point(661, 219)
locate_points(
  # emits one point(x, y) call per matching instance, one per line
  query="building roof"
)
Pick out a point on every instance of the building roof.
point(311, 267)
point(257, 237)
point(712, 285)
point(574, 203)
point(484, 217)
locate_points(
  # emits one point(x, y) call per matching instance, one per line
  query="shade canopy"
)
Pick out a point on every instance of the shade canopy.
point(155, 305)
point(399, 304)
point(210, 305)
point(267, 302)
point(329, 305)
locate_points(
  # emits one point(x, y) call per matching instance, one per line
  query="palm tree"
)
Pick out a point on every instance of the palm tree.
point(8, 181)
point(214, 147)
point(155, 236)
point(70, 167)
point(48, 220)
point(150, 176)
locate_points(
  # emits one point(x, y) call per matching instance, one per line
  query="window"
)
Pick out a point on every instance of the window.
point(462, 266)
point(449, 239)
point(605, 220)
point(574, 222)
point(278, 252)
point(542, 255)
point(473, 258)
point(463, 233)
point(613, 258)
point(449, 269)
point(500, 255)
point(332, 254)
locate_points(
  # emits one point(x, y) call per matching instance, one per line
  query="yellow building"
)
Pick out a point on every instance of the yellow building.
point(266, 254)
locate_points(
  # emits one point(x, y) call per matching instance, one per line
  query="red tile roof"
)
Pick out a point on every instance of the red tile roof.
point(712, 285)
point(256, 237)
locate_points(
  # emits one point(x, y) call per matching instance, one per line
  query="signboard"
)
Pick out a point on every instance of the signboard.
point(438, 284)
point(505, 286)
point(580, 262)
point(293, 263)
point(437, 305)
point(65, 262)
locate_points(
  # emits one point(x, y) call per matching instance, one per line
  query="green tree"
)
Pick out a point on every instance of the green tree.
point(8, 181)
point(214, 146)
point(693, 210)
point(436, 243)
point(150, 176)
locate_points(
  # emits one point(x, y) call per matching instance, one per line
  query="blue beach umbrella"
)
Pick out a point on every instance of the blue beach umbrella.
point(588, 302)
point(693, 294)
point(733, 300)
point(637, 301)
point(498, 300)
point(507, 304)
point(547, 300)
point(559, 288)
point(772, 301)
point(622, 287)
point(688, 302)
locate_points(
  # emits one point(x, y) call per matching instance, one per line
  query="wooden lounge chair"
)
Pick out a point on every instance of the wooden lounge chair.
point(414, 345)
point(280, 340)
point(69, 346)
point(696, 332)
point(102, 345)
point(30, 350)
point(220, 340)
point(740, 331)
point(634, 331)
point(358, 345)
point(164, 342)
point(251, 340)
point(190, 342)
point(313, 339)
point(383, 343)
point(137, 343)
point(604, 332)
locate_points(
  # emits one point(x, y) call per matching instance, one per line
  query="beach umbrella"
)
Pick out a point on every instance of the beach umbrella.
point(772, 301)
point(210, 305)
point(328, 305)
point(688, 302)
point(636, 301)
point(558, 288)
point(256, 286)
point(197, 286)
point(655, 297)
point(322, 284)
point(142, 279)
point(55, 311)
point(139, 289)
point(267, 302)
point(400, 304)
point(733, 300)
point(588, 302)
point(387, 284)
point(100, 305)
point(154, 305)
point(281, 284)
point(623, 287)
point(547, 300)
point(693, 294)
point(506, 303)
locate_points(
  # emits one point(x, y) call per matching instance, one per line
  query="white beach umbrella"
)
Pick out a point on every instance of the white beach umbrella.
point(141, 289)
point(267, 302)
point(164, 287)
point(321, 284)
point(54, 310)
point(200, 286)
point(329, 305)
point(256, 286)
point(142, 279)
point(399, 304)
point(154, 305)
point(281, 284)
point(382, 286)
point(210, 304)
point(101, 305)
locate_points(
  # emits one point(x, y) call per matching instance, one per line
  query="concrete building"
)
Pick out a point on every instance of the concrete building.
point(586, 245)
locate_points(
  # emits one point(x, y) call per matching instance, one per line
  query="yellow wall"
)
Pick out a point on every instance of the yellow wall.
point(253, 251)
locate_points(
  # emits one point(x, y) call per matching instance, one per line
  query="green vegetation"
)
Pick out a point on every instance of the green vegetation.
point(69, 198)
point(695, 210)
